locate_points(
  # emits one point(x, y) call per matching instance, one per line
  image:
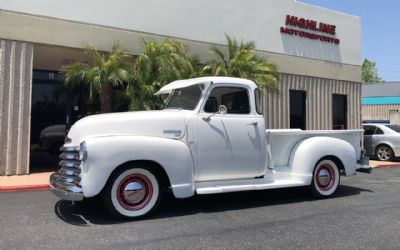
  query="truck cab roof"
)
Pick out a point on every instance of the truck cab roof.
point(206, 80)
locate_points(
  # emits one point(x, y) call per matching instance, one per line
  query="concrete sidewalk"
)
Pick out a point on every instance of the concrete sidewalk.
point(38, 181)
point(383, 164)
point(41, 181)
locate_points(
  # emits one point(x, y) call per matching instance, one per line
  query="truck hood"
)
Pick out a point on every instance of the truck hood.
point(164, 123)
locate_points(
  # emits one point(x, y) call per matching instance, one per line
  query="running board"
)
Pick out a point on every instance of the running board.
point(212, 187)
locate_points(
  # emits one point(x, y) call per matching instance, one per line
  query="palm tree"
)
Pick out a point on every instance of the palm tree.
point(160, 63)
point(241, 61)
point(105, 71)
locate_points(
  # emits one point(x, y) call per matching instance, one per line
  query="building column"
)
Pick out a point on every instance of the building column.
point(15, 106)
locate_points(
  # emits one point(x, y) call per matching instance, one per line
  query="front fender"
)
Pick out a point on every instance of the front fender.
point(308, 152)
point(105, 154)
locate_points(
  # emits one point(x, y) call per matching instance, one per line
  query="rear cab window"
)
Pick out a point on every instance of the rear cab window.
point(258, 101)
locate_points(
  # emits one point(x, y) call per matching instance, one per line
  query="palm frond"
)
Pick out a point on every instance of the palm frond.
point(74, 74)
point(243, 62)
point(160, 63)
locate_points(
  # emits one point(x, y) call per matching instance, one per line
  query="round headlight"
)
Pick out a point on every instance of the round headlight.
point(83, 152)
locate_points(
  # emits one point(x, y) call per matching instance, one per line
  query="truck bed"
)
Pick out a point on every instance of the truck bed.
point(282, 141)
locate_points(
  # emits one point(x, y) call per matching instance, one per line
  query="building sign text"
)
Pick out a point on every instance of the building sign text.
point(311, 25)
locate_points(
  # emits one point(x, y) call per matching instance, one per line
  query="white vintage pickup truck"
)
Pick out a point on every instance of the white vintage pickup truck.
point(210, 138)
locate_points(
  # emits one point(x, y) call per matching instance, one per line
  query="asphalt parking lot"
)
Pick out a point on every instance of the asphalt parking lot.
point(364, 214)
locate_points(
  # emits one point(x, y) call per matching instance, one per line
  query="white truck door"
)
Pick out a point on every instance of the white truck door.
point(229, 144)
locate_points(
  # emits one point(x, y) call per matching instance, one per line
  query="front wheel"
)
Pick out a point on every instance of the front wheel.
point(132, 193)
point(326, 179)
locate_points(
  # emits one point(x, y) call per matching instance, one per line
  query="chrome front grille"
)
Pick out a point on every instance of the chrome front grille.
point(66, 182)
point(69, 174)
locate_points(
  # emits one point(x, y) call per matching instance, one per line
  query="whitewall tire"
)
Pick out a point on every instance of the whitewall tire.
point(326, 178)
point(132, 192)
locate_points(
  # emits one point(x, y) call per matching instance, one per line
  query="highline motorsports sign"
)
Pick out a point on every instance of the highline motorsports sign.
point(310, 29)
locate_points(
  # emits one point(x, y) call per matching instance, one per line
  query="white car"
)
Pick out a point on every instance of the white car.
point(210, 138)
point(382, 141)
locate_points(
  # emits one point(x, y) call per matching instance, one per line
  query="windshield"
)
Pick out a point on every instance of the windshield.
point(185, 98)
point(394, 127)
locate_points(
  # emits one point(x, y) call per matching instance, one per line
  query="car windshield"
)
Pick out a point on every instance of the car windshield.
point(185, 98)
point(394, 127)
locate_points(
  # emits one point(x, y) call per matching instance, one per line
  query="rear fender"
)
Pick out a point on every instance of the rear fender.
point(306, 154)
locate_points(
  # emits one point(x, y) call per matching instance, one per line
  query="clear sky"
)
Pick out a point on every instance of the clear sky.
point(380, 24)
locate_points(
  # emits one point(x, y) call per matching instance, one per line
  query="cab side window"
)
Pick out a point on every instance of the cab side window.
point(211, 105)
point(235, 99)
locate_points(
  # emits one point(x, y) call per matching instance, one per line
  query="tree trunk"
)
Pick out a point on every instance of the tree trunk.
point(105, 98)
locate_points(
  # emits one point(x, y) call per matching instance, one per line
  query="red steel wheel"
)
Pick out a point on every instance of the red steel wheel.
point(326, 178)
point(132, 192)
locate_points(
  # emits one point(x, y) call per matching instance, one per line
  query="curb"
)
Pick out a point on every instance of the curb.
point(388, 166)
point(38, 187)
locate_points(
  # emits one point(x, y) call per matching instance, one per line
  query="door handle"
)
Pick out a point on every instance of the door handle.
point(253, 124)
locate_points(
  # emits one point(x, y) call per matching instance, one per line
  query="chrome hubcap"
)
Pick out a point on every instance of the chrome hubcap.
point(325, 177)
point(134, 192)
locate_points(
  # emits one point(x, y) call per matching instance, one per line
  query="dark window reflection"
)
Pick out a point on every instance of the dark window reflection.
point(48, 102)
point(297, 109)
point(339, 111)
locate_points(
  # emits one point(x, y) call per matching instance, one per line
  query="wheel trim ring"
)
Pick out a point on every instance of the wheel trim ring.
point(148, 192)
point(331, 177)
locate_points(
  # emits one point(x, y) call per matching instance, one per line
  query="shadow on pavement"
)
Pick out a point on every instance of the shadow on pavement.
point(91, 211)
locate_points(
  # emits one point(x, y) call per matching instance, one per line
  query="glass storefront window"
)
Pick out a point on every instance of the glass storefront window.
point(339, 112)
point(297, 109)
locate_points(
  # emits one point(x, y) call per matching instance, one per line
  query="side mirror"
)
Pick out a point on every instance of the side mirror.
point(222, 110)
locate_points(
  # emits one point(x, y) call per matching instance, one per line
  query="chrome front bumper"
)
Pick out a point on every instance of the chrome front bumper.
point(66, 182)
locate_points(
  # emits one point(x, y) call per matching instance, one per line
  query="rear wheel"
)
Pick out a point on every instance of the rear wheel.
point(384, 153)
point(326, 178)
point(132, 192)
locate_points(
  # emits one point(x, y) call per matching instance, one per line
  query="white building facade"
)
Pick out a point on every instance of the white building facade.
point(318, 53)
